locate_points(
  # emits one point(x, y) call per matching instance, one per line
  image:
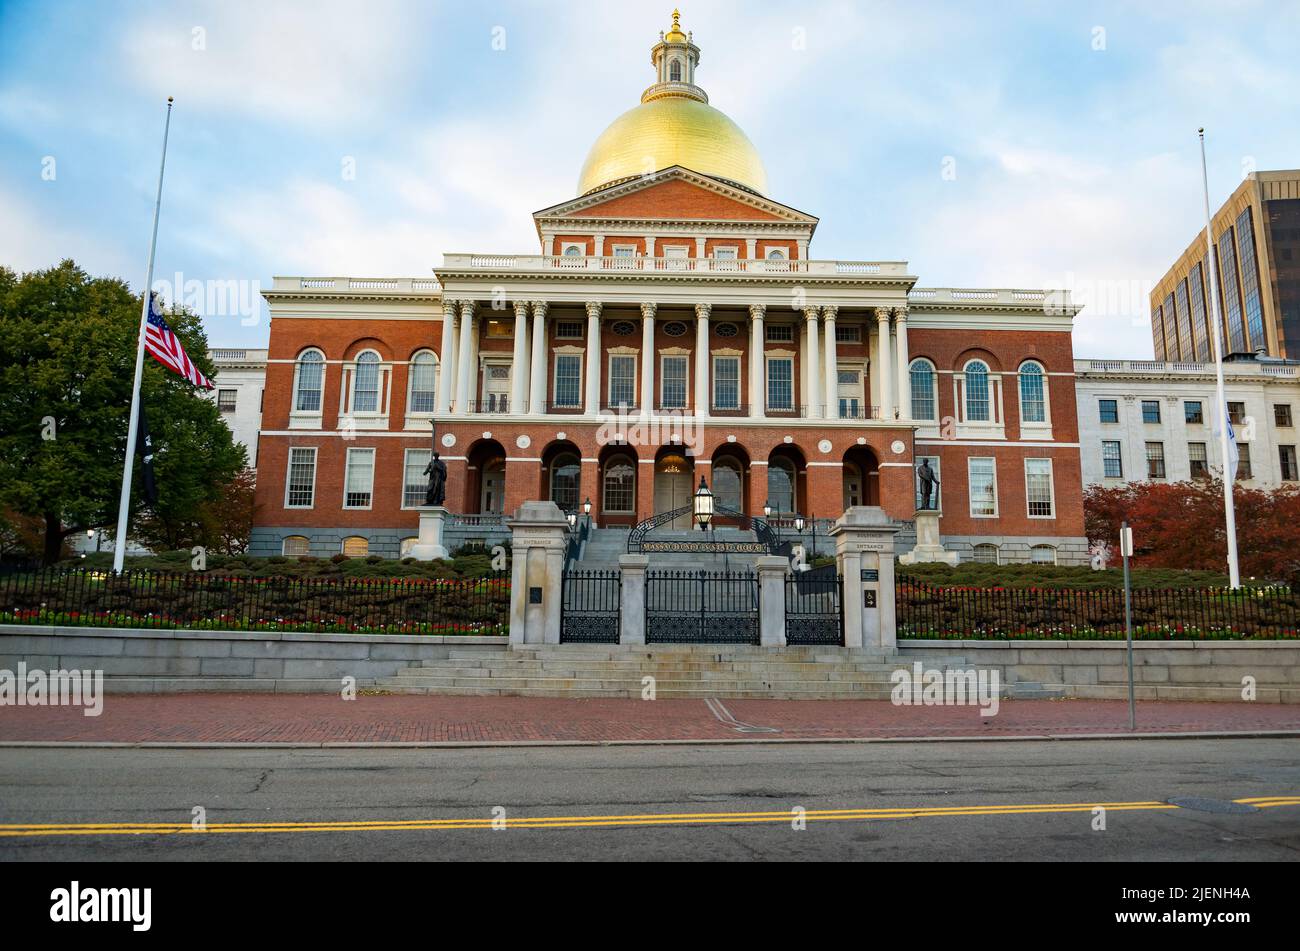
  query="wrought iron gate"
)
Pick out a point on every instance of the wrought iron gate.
point(701, 607)
point(814, 607)
point(590, 606)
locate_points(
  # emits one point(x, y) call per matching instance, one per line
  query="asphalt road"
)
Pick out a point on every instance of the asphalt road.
point(733, 802)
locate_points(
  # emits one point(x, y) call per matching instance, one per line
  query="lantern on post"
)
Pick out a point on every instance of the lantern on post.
point(703, 506)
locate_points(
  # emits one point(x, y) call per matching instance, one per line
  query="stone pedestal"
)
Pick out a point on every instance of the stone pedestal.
point(928, 547)
point(538, 532)
point(632, 627)
point(771, 599)
point(430, 546)
point(864, 554)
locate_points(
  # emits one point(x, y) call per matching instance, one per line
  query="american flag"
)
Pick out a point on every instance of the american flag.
point(167, 350)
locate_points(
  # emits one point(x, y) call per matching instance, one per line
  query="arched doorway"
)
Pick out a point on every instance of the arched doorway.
point(674, 472)
point(617, 486)
point(486, 485)
point(861, 481)
point(785, 469)
point(562, 476)
point(730, 481)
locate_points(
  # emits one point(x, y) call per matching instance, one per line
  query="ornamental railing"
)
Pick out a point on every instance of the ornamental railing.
point(213, 601)
point(936, 611)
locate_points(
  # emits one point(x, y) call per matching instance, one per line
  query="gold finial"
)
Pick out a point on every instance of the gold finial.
point(675, 35)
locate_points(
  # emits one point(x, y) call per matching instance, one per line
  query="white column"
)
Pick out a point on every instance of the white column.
point(884, 361)
point(465, 372)
point(832, 407)
point(600, 245)
point(447, 359)
point(813, 367)
point(757, 374)
point(593, 358)
point(904, 374)
point(647, 358)
point(702, 360)
point(699, 247)
point(751, 248)
point(519, 369)
point(538, 372)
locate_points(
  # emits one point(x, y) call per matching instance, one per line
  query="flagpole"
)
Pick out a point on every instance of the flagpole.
point(1229, 512)
point(124, 505)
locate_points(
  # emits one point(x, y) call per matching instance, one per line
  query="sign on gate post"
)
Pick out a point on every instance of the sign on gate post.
point(537, 542)
point(864, 554)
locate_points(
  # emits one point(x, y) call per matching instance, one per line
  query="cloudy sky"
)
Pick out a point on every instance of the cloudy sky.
point(1009, 144)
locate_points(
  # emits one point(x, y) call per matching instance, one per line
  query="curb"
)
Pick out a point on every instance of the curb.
point(533, 744)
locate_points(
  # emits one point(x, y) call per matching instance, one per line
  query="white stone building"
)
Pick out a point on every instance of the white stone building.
point(240, 379)
point(1151, 419)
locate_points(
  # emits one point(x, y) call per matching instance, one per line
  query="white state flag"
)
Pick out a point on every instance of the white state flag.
point(1234, 455)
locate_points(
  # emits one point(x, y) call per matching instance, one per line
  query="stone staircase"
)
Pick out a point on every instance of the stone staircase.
point(680, 671)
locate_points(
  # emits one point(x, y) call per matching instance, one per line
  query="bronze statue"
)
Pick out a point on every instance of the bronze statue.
point(928, 482)
point(436, 470)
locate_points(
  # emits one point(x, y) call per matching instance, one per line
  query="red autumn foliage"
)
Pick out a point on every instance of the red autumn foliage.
point(1181, 525)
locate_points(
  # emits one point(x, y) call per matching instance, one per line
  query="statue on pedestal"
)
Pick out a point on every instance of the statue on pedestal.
point(928, 481)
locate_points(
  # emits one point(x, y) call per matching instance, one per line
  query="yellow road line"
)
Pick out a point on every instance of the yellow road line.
point(18, 830)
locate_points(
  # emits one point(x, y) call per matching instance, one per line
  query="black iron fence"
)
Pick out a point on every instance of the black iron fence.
point(591, 606)
point(814, 607)
point(208, 601)
point(934, 611)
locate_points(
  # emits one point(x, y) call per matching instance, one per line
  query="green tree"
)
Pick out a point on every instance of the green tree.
point(68, 343)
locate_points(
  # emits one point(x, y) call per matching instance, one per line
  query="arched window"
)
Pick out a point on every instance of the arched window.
point(923, 389)
point(573, 251)
point(356, 546)
point(365, 383)
point(986, 554)
point(620, 486)
point(726, 484)
point(1042, 555)
point(977, 391)
point(566, 479)
point(1033, 399)
point(675, 71)
point(424, 383)
point(776, 254)
point(311, 375)
point(296, 546)
point(781, 486)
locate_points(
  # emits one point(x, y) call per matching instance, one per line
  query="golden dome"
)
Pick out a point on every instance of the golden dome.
point(673, 130)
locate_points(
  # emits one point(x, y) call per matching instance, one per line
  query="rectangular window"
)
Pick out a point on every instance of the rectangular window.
point(1200, 328)
point(724, 253)
point(849, 393)
point(1185, 351)
point(850, 333)
point(779, 333)
point(982, 479)
point(1197, 459)
point(1282, 414)
point(1244, 472)
point(673, 383)
point(1108, 410)
point(568, 330)
point(360, 480)
point(780, 383)
point(1038, 488)
point(500, 328)
point(1193, 412)
point(726, 382)
point(1287, 461)
point(1250, 281)
point(1231, 295)
point(1155, 460)
point(1111, 465)
point(300, 487)
point(226, 400)
point(414, 481)
point(1237, 413)
point(1150, 411)
point(622, 380)
point(568, 379)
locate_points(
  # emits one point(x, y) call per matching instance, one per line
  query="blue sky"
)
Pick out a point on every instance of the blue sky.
point(1071, 129)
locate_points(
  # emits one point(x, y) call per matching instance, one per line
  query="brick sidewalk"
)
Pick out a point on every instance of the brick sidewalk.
point(314, 718)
